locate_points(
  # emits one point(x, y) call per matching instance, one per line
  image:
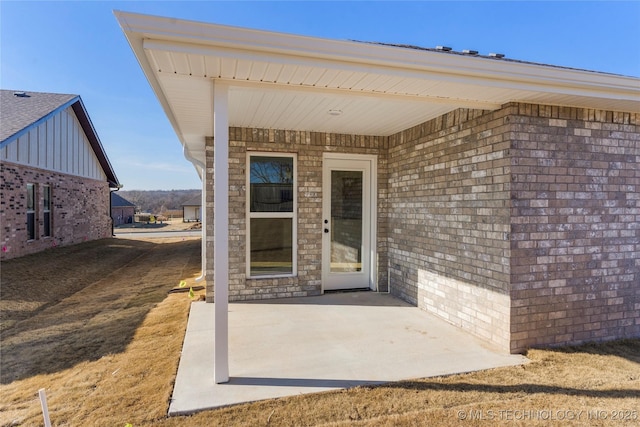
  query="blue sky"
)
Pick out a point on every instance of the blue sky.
point(78, 47)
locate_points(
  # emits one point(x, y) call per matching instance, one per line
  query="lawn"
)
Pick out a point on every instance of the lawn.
point(94, 325)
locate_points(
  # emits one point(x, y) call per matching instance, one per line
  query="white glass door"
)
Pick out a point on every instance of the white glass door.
point(346, 224)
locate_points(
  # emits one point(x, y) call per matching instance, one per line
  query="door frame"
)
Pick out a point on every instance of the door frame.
point(373, 214)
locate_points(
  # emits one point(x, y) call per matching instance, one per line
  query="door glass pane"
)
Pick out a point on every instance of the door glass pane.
point(346, 221)
point(271, 246)
point(271, 184)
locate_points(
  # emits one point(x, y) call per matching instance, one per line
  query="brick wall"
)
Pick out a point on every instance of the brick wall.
point(520, 225)
point(309, 148)
point(80, 210)
point(575, 249)
point(449, 191)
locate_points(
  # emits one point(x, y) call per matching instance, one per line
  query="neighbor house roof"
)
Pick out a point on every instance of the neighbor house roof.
point(22, 111)
point(284, 81)
point(194, 201)
point(117, 201)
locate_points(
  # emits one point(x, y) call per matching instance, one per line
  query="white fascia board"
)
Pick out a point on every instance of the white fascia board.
point(225, 40)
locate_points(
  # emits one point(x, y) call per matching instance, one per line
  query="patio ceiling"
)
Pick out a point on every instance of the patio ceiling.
point(281, 81)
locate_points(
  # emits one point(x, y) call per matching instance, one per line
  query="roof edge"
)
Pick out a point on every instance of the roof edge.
point(85, 121)
point(141, 26)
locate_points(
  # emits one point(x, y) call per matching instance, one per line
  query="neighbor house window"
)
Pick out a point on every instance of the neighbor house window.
point(46, 209)
point(271, 229)
point(31, 211)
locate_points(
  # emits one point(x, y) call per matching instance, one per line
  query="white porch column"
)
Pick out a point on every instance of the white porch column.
point(221, 231)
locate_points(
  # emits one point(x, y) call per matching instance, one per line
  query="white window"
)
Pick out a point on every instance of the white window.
point(31, 211)
point(271, 215)
point(46, 210)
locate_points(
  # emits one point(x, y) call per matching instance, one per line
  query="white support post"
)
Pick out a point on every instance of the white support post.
point(221, 231)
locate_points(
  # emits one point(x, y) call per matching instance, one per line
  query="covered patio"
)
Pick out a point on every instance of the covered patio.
point(484, 190)
point(286, 347)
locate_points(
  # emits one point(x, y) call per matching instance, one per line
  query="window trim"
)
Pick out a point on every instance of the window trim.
point(293, 215)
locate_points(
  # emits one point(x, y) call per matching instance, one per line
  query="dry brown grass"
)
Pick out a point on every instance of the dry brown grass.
point(117, 363)
point(77, 325)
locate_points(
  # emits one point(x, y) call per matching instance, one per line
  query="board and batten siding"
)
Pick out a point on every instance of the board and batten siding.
point(59, 144)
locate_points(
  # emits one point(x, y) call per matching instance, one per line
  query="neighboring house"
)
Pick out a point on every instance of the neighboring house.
point(55, 176)
point(500, 195)
point(122, 210)
point(191, 209)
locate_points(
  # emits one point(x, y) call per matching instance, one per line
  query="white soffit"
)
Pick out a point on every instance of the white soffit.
point(282, 81)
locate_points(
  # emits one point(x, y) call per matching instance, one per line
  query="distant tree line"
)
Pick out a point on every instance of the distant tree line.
point(158, 202)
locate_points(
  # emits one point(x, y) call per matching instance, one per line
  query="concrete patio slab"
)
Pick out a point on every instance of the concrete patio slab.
point(305, 345)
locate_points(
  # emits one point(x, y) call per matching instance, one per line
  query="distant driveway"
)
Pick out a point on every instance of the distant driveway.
point(157, 234)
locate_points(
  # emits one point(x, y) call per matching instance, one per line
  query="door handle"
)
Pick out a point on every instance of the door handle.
point(326, 230)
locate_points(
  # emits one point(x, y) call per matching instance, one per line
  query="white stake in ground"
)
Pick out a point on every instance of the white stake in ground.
point(45, 408)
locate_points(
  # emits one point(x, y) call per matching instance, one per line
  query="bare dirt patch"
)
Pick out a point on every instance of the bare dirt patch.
point(107, 351)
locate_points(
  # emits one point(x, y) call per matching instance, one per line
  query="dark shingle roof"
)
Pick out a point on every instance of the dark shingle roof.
point(449, 51)
point(194, 201)
point(22, 111)
point(119, 201)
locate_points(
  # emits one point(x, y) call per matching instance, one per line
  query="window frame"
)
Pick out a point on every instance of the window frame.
point(47, 208)
point(31, 211)
point(293, 215)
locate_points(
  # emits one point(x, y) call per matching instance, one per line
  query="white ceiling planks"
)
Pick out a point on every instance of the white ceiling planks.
point(283, 81)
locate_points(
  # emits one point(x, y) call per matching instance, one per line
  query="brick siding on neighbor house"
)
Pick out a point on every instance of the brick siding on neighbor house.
point(80, 209)
point(122, 214)
point(309, 148)
point(449, 189)
point(575, 242)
